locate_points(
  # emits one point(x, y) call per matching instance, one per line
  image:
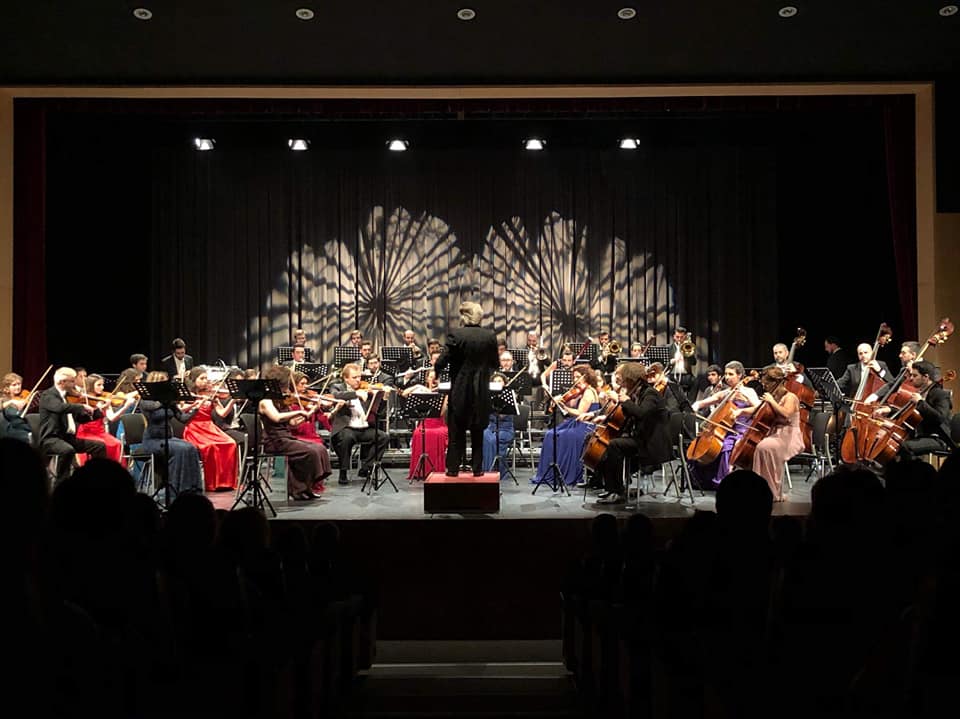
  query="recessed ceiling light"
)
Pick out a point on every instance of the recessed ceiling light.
point(304, 13)
point(466, 13)
point(397, 145)
point(629, 143)
point(141, 13)
point(948, 10)
point(534, 143)
point(626, 13)
point(787, 11)
point(204, 144)
point(297, 144)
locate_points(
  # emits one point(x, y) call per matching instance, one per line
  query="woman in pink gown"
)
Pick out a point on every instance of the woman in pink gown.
point(97, 429)
point(784, 440)
point(434, 431)
point(218, 451)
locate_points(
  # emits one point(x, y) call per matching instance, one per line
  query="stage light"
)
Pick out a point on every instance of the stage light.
point(304, 13)
point(141, 13)
point(629, 143)
point(626, 13)
point(466, 14)
point(948, 11)
point(534, 143)
point(204, 144)
point(787, 11)
point(298, 144)
point(396, 145)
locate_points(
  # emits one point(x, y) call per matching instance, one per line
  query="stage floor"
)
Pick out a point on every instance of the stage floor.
point(516, 501)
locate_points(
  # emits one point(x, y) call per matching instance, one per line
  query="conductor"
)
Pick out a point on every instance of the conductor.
point(471, 355)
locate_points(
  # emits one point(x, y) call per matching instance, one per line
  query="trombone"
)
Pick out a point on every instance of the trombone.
point(687, 347)
point(611, 349)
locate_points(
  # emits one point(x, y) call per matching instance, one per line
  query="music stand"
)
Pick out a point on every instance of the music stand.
point(285, 354)
point(376, 467)
point(400, 356)
point(504, 404)
point(422, 406)
point(663, 355)
point(254, 390)
point(345, 354)
point(560, 381)
point(826, 385)
point(313, 370)
point(168, 393)
point(519, 382)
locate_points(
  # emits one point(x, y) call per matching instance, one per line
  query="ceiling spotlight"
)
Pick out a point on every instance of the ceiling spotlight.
point(304, 13)
point(787, 11)
point(398, 145)
point(629, 143)
point(534, 143)
point(948, 10)
point(141, 13)
point(298, 145)
point(626, 13)
point(466, 13)
point(204, 144)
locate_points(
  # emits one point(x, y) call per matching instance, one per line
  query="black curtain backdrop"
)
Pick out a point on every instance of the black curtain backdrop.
point(741, 227)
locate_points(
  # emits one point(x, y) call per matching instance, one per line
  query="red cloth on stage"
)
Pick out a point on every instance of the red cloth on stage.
point(218, 451)
point(435, 439)
point(96, 431)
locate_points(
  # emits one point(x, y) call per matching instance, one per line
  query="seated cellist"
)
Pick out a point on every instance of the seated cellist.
point(934, 405)
point(645, 437)
point(707, 475)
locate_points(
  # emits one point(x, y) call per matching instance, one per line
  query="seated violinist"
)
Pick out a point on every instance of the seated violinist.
point(98, 430)
point(13, 399)
point(430, 436)
point(711, 474)
point(568, 436)
point(933, 403)
point(218, 451)
point(59, 419)
point(644, 438)
point(308, 463)
point(352, 422)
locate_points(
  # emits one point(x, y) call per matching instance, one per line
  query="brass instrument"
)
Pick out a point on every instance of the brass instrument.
point(541, 354)
point(688, 348)
point(611, 349)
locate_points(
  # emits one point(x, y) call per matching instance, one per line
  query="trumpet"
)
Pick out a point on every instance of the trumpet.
point(540, 354)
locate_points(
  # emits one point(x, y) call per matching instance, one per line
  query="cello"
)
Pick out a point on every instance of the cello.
point(795, 382)
point(851, 448)
point(761, 424)
point(708, 444)
point(595, 446)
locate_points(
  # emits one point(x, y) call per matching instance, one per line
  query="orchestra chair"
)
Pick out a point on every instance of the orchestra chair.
point(133, 428)
point(936, 457)
point(819, 460)
point(247, 420)
point(521, 443)
point(681, 426)
point(52, 462)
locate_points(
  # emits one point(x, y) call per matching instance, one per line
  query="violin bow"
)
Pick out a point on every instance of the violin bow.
point(26, 405)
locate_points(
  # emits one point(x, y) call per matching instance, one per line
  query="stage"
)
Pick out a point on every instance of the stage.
point(477, 577)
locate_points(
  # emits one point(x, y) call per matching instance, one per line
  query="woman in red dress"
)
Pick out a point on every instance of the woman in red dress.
point(218, 451)
point(434, 430)
point(97, 429)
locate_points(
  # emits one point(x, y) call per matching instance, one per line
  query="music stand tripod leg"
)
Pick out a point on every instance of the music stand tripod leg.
point(554, 472)
point(495, 465)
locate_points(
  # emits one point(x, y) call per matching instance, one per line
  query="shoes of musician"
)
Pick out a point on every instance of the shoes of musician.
point(611, 499)
point(343, 478)
point(364, 472)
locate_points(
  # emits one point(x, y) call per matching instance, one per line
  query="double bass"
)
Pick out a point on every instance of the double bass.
point(852, 447)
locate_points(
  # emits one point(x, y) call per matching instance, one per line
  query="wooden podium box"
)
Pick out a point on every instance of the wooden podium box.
point(463, 494)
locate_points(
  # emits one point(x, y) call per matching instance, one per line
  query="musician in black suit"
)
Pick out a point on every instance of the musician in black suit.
point(471, 356)
point(934, 405)
point(59, 420)
point(645, 437)
point(179, 362)
point(850, 380)
point(351, 423)
point(837, 357)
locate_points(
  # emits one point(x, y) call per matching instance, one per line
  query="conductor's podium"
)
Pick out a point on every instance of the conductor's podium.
point(462, 494)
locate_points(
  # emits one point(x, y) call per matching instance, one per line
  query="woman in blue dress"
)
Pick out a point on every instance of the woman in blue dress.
point(183, 468)
point(501, 424)
point(570, 434)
